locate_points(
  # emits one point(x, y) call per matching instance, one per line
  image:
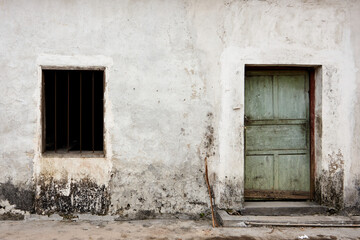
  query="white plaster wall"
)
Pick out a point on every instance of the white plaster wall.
point(352, 183)
point(175, 70)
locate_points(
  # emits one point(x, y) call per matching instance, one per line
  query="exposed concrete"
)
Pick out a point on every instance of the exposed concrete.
point(174, 94)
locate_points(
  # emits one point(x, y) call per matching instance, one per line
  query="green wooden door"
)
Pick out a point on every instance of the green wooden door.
point(277, 133)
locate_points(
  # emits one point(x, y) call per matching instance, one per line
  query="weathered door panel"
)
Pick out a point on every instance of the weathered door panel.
point(259, 101)
point(292, 97)
point(277, 160)
point(275, 137)
point(260, 172)
point(294, 172)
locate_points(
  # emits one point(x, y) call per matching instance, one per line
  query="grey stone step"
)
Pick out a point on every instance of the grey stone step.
point(227, 220)
point(280, 208)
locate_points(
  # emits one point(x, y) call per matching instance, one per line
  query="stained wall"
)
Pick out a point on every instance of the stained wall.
point(174, 95)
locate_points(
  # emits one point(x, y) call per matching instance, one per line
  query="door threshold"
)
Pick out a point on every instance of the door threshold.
point(227, 220)
point(282, 208)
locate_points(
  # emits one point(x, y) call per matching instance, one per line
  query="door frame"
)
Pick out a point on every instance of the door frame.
point(311, 72)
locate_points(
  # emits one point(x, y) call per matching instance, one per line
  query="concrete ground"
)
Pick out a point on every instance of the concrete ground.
point(159, 229)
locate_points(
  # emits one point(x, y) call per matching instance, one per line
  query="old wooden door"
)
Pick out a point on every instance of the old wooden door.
point(277, 156)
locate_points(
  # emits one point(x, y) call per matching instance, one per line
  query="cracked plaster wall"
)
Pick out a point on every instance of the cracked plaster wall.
point(174, 95)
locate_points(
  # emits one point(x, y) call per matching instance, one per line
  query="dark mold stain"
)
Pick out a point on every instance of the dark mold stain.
point(354, 207)
point(11, 216)
point(85, 197)
point(329, 187)
point(329, 190)
point(318, 124)
point(145, 214)
point(198, 203)
point(232, 195)
point(209, 137)
point(22, 198)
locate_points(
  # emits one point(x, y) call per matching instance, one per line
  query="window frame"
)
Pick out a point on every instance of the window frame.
point(70, 154)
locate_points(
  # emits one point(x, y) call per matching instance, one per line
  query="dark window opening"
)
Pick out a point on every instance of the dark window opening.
point(73, 110)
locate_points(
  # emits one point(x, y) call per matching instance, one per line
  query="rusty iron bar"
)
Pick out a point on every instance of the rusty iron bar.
point(68, 114)
point(93, 114)
point(55, 123)
point(80, 111)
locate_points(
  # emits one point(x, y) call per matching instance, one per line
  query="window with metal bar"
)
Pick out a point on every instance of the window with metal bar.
point(73, 111)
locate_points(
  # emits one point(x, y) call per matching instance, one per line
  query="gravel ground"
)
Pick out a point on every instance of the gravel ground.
point(159, 229)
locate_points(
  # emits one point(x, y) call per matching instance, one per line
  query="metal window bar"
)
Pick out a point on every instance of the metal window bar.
point(56, 102)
